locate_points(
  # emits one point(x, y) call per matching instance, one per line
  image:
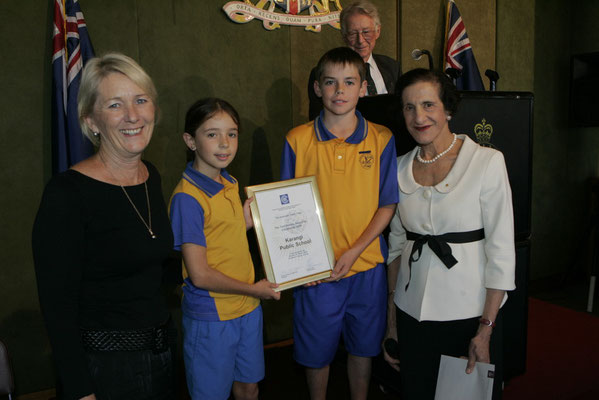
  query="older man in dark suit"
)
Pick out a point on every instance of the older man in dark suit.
point(360, 28)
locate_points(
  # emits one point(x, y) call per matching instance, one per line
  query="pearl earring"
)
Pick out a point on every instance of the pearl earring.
point(96, 134)
point(449, 117)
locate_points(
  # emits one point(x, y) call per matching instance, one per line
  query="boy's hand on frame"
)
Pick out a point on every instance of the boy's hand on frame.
point(265, 290)
point(344, 264)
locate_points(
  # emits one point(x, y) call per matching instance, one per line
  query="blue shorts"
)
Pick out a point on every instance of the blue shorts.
point(354, 307)
point(217, 353)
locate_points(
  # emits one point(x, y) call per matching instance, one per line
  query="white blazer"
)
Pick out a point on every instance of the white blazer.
point(475, 194)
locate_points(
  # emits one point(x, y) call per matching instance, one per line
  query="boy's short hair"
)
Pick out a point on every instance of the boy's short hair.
point(343, 56)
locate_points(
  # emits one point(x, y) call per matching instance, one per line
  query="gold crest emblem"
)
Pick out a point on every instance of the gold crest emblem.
point(366, 160)
point(483, 132)
point(275, 13)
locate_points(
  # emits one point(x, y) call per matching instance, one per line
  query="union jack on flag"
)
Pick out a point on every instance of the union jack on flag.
point(72, 49)
point(458, 51)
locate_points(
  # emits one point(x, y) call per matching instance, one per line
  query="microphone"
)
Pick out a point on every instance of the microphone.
point(493, 78)
point(453, 73)
point(417, 55)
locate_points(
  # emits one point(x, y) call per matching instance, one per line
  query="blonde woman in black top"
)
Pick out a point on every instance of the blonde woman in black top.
point(100, 238)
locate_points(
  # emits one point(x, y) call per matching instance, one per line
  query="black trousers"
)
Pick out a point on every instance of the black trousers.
point(140, 375)
point(421, 345)
point(133, 375)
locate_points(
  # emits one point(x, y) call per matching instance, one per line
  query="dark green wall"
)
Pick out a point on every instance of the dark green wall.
point(553, 188)
point(564, 157)
point(192, 50)
point(515, 45)
point(585, 39)
point(24, 140)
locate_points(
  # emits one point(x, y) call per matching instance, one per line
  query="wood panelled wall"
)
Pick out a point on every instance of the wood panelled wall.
point(192, 50)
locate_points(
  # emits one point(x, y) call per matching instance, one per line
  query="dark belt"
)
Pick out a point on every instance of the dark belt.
point(155, 339)
point(438, 244)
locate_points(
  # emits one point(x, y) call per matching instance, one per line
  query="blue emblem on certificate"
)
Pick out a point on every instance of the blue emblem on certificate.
point(284, 198)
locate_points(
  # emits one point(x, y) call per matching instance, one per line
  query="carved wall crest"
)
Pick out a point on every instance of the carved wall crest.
point(311, 14)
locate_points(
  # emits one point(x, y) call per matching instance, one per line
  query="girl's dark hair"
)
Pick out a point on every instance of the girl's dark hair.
point(448, 93)
point(202, 110)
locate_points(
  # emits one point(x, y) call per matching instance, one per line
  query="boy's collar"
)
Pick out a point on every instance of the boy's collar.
point(323, 134)
point(204, 183)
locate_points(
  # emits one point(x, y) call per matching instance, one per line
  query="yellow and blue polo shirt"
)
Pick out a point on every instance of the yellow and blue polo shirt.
point(355, 176)
point(210, 214)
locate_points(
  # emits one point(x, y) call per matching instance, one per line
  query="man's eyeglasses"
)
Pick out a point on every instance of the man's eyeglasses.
point(367, 34)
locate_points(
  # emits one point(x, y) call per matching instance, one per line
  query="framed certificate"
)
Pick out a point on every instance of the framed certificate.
point(292, 232)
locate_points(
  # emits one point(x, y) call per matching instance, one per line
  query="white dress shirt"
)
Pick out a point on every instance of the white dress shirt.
point(376, 76)
point(475, 194)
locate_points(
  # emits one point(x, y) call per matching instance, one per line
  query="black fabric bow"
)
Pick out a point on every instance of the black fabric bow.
point(439, 245)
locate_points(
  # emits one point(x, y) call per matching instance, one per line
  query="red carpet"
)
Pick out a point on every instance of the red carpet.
point(562, 356)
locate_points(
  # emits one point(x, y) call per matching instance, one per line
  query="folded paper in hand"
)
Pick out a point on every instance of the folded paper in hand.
point(453, 383)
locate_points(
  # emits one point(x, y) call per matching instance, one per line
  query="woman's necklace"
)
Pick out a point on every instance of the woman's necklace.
point(435, 158)
point(148, 225)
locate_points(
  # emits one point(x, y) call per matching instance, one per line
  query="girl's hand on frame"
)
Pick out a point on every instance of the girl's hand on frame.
point(247, 213)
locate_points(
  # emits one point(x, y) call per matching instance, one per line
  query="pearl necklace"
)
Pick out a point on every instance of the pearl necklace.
point(435, 158)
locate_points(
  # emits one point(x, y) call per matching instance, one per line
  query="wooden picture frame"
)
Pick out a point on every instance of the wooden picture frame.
point(292, 232)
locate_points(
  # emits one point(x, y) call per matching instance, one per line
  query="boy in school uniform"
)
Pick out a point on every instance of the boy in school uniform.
point(356, 170)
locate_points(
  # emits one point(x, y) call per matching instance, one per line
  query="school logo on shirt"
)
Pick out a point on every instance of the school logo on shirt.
point(284, 199)
point(275, 13)
point(366, 159)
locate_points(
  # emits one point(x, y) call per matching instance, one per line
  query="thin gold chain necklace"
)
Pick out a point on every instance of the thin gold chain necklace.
point(148, 225)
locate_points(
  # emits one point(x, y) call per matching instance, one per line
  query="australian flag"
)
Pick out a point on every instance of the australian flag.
point(72, 49)
point(458, 51)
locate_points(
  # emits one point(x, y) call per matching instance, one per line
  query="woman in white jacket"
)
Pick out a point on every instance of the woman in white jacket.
point(452, 256)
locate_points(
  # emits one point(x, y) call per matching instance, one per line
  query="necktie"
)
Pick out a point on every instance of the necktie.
point(370, 82)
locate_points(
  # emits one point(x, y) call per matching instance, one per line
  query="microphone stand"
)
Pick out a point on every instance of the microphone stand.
point(493, 78)
point(454, 74)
